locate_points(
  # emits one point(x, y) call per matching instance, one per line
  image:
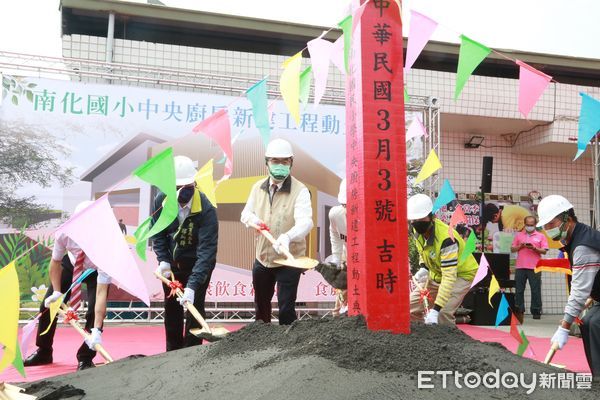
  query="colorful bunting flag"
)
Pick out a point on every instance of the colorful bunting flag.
point(141, 237)
point(305, 78)
point(532, 84)
point(337, 54)
point(589, 122)
point(27, 333)
point(357, 15)
point(502, 313)
point(289, 85)
point(415, 129)
point(470, 245)
point(217, 128)
point(560, 265)
point(421, 29)
point(160, 172)
point(524, 344)
point(257, 95)
point(514, 331)
point(446, 196)
point(320, 52)
point(346, 26)
point(9, 313)
point(470, 55)
point(205, 182)
point(18, 361)
point(482, 271)
point(406, 96)
point(458, 217)
point(494, 288)
point(106, 248)
point(432, 164)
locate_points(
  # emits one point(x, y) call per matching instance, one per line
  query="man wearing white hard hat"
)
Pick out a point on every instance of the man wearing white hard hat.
point(68, 257)
point(582, 244)
point(449, 276)
point(282, 204)
point(187, 251)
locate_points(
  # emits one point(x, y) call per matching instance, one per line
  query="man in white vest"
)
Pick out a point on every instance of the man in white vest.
point(282, 204)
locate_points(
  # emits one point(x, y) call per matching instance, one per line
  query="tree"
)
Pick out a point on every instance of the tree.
point(28, 156)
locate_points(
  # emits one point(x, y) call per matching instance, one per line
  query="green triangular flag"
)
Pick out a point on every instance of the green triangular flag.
point(346, 25)
point(160, 172)
point(469, 247)
point(305, 79)
point(141, 238)
point(471, 54)
point(524, 344)
point(406, 96)
point(18, 361)
point(257, 95)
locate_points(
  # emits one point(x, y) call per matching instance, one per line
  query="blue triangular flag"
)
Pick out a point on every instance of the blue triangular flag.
point(502, 310)
point(81, 278)
point(257, 95)
point(589, 122)
point(446, 196)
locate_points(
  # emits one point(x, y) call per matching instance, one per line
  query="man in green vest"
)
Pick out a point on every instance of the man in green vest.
point(447, 274)
point(281, 204)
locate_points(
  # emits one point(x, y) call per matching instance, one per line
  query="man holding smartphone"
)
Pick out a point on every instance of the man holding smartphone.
point(529, 245)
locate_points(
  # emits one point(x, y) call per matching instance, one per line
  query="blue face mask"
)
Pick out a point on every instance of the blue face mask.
point(185, 194)
point(279, 171)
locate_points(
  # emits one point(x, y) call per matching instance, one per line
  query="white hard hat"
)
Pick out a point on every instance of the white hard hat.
point(342, 193)
point(279, 148)
point(82, 205)
point(550, 207)
point(184, 171)
point(418, 206)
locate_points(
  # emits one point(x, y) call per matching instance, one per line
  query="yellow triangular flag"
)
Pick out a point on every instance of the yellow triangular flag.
point(205, 182)
point(9, 313)
point(494, 288)
point(53, 311)
point(431, 165)
point(289, 85)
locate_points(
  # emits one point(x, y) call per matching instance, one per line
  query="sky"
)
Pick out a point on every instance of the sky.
point(562, 27)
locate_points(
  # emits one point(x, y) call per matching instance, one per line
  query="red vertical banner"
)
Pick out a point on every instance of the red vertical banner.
point(376, 172)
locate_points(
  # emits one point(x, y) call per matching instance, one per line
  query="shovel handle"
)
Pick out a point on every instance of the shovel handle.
point(98, 347)
point(551, 353)
point(271, 239)
point(190, 307)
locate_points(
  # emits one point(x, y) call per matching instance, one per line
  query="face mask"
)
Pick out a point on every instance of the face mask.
point(279, 171)
point(530, 229)
point(185, 194)
point(557, 233)
point(421, 226)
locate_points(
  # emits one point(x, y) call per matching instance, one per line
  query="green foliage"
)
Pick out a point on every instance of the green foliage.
point(16, 89)
point(413, 255)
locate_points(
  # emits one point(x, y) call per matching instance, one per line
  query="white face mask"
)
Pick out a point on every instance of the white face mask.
point(530, 229)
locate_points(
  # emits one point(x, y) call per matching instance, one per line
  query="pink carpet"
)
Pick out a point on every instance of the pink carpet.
point(124, 341)
point(572, 355)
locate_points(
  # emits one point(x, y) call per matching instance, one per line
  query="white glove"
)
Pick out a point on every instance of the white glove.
point(432, 317)
point(188, 296)
point(282, 244)
point(421, 275)
point(560, 337)
point(252, 219)
point(94, 338)
point(164, 268)
point(52, 298)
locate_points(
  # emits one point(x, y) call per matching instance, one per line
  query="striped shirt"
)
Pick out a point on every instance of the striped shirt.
point(586, 264)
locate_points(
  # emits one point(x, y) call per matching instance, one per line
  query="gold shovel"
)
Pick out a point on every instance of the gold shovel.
point(290, 260)
point(11, 392)
point(98, 347)
point(206, 332)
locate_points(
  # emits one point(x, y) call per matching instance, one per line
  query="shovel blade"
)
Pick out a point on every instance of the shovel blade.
point(213, 335)
point(299, 262)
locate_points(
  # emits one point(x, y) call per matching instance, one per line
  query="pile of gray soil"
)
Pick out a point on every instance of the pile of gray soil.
point(319, 359)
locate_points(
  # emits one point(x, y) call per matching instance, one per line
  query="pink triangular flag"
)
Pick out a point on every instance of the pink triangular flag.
point(217, 128)
point(458, 216)
point(337, 54)
point(421, 29)
point(26, 334)
point(482, 271)
point(357, 15)
point(532, 84)
point(415, 129)
point(106, 247)
point(320, 53)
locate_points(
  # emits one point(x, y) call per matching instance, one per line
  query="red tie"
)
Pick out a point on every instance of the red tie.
point(76, 291)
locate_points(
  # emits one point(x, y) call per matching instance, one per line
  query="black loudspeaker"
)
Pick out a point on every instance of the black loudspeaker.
point(486, 175)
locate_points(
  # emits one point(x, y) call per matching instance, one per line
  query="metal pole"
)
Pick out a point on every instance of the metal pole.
point(110, 37)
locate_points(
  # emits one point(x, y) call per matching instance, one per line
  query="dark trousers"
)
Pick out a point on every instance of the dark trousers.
point(590, 333)
point(264, 280)
point(174, 327)
point(522, 275)
point(44, 342)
